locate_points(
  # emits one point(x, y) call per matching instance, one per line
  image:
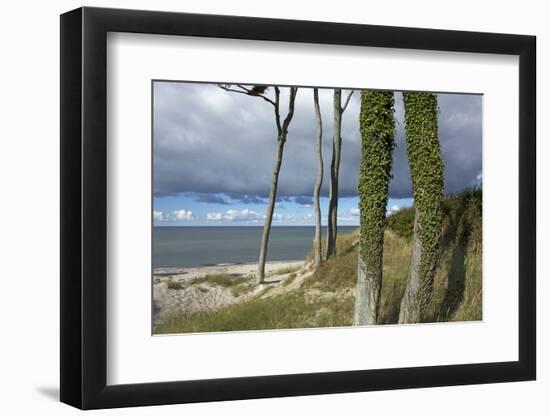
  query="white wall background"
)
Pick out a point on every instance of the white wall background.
point(29, 212)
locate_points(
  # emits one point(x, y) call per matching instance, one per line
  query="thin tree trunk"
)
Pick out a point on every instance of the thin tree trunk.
point(317, 189)
point(332, 228)
point(281, 139)
point(270, 209)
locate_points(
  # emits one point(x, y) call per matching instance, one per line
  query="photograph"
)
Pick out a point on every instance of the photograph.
point(290, 207)
point(271, 206)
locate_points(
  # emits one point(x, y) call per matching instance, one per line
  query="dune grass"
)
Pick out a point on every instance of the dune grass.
point(283, 271)
point(326, 299)
point(284, 312)
point(239, 285)
point(222, 280)
point(290, 279)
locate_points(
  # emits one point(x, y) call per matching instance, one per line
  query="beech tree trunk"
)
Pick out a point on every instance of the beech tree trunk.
point(377, 126)
point(260, 91)
point(367, 292)
point(427, 174)
point(282, 130)
point(411, 308)
point(332, 227)
point(270, 209)
point(319, 182)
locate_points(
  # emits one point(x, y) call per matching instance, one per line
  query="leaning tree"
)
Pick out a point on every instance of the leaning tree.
point(332, 227)
point(261, 91)
point(377, 126)
point(427, 172)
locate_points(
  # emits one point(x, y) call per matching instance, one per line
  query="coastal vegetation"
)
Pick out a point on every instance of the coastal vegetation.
point(223, 280)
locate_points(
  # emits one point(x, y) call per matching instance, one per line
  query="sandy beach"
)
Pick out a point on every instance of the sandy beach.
point(236, 270)
point(176, 291)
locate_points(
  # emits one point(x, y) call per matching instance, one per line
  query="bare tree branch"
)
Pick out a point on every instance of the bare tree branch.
point(277, 114)
point(347, 100)
point(246, 91)
point(288, 118)
point(242, 87)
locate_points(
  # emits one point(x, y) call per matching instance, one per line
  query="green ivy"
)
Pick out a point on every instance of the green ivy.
point(377, 125)
point(427, 171)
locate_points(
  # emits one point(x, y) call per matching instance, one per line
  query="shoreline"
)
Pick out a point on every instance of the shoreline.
point(233, 269)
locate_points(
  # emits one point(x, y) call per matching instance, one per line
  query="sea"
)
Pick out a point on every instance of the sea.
point(190, 246)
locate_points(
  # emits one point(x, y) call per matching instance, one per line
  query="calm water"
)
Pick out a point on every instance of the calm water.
point(175, 247)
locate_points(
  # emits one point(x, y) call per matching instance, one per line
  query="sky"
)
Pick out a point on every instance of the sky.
point(214, 153)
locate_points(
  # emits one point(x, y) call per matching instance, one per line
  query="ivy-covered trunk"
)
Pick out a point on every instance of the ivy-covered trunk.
point(319, 182)
point(377, 127)
point(427, 174)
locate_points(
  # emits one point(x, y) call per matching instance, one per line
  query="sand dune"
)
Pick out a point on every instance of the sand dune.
point(173, 296)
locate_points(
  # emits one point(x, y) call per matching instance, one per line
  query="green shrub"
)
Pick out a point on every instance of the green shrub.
point(402, 222)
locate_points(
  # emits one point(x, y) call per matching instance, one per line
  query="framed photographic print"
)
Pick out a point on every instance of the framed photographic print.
point(257, 208)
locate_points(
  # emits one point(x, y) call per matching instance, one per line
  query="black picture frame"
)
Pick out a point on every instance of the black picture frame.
point(84, 207)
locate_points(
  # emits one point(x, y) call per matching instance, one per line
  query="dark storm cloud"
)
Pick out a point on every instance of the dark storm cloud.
point(460, 138)
point(303, 200)
point(226, 198)
point(211, 198)
point(207, 140)
point(246, 198)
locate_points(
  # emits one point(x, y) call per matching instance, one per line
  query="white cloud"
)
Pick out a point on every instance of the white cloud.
point(354, 211)
point(158, 216)
point(242, 215)
point(393, 209)
point(308, 216)
point(183, 214)
point(479, 179)
point(213, 216)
